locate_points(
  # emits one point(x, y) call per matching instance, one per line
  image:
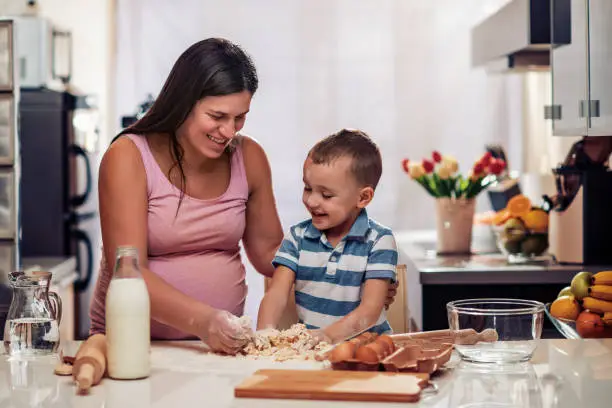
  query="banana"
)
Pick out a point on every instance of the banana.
point(597, 305)
point(607, 318)
point(602, 278)
point(603, 292)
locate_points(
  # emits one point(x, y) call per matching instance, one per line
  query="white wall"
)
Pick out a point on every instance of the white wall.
point(398, 69)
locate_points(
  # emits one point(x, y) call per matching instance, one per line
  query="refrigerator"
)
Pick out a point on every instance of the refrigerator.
point(59, 202)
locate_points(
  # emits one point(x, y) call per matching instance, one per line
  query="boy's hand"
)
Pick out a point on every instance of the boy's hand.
point(391, 294)
point(318, 336)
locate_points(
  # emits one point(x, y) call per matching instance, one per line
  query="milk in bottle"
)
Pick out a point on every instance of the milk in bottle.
point(128, 331)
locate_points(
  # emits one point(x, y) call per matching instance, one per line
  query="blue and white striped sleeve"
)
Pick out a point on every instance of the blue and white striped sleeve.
point(382, 259)
point(288, 253)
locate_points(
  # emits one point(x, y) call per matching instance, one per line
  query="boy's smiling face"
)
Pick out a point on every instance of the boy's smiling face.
point(332, 195)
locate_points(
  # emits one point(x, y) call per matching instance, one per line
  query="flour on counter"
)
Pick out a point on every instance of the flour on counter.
point(295, 343)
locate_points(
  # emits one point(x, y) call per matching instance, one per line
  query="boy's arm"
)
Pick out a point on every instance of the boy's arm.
point(380, 271)
point(364, 316)
point(274, 301)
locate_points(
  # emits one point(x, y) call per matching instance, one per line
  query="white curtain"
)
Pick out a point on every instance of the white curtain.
point(398, 69)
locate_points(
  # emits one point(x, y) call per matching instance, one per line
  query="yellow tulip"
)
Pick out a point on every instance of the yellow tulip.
point(451, 163)
point(416, 170)
point(444, 171)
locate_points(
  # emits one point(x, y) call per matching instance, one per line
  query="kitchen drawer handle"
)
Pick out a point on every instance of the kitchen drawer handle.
point(583, 109)
point(589, 109)
point(594, 108)
point(552, 112)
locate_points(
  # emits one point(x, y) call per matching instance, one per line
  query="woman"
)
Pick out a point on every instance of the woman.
point(185, 188)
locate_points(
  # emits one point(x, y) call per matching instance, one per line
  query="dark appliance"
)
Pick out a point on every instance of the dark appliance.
point(58, 200)
point(581, 220)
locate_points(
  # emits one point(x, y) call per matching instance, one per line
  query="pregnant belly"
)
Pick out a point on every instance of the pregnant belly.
point(217, 279)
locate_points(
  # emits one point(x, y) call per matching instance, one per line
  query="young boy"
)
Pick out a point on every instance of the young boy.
point(340, 260)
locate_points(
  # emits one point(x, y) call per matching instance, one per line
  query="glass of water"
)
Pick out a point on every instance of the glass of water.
point(518, 324)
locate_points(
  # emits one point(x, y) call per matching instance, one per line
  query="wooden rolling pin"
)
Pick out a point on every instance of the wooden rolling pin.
point(90, 363)
point(465, 336)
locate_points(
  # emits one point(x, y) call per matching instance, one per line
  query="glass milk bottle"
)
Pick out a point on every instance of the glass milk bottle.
point(128, 325)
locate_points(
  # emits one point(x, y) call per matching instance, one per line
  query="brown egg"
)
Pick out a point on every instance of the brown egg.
point(388, 341)
point(366, 355)
point(385, 347)
point(379, 349)
point(343, 352)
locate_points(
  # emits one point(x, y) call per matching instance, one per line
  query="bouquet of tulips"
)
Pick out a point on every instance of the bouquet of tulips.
point(440, 177)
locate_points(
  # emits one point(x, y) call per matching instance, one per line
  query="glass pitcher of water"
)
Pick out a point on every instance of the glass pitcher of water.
point(32, 323)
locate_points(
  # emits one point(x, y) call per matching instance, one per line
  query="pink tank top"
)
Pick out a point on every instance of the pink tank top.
point(196, 251)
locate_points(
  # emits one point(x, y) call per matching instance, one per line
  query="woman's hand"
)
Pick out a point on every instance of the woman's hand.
point(224, 333)
point(391, 294)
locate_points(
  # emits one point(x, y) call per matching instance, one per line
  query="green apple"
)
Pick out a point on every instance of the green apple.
point(580, 284)
point(566, 291)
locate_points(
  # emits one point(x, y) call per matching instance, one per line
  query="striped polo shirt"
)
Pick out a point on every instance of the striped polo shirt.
point(328, 280)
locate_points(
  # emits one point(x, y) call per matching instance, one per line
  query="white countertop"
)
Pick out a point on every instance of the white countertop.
point(563, 373)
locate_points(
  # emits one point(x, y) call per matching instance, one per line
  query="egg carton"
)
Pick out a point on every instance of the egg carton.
point(413, 356)
point(424, 352)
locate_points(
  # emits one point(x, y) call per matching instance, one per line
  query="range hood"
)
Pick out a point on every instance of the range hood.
point(518, 36)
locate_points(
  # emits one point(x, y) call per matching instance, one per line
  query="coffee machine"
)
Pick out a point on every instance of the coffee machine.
point(581, 215)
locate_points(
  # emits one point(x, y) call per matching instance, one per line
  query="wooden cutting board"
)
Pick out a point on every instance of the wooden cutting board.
point(333, 385)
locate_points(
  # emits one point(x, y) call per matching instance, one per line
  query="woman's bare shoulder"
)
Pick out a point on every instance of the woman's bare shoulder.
point(255, 161)
point(122, 156)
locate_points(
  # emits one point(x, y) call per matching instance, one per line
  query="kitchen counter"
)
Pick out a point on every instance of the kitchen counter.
point(434, 280)
point(485, 266)
point(562, 373)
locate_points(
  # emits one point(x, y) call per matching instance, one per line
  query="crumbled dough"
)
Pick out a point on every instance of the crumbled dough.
point(295, 343)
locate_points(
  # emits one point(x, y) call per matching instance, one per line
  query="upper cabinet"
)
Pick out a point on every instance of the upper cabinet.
point(581, 74)
point(600, 67)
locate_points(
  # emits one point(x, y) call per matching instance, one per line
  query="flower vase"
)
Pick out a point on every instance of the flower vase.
point(454, 219)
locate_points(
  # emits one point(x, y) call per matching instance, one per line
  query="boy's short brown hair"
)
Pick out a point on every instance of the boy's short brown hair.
point(367, 161)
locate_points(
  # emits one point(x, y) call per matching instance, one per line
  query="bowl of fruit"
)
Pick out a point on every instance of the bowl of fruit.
point(584, 309)
point(521, 230)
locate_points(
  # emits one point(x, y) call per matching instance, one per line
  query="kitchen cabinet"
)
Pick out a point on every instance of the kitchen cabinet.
point(581, 78)
point(600, 61)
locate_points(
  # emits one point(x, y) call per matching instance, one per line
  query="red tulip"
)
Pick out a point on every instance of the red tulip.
point(478, 168)
point(437, 157)
point(485, 159)
point(428, 166)
point(405, 163)
point(496, 166)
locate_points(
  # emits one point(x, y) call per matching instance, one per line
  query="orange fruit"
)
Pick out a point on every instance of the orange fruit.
point(536, 220)
point(519, 205)
point(501, 217)
point(565, 307)
point(590, 325)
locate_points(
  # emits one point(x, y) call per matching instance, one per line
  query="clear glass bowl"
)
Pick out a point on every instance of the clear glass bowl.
point(518, 324)
point(566, 327)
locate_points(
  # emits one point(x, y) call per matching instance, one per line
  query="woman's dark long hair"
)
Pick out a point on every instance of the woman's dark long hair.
point(211, 67)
